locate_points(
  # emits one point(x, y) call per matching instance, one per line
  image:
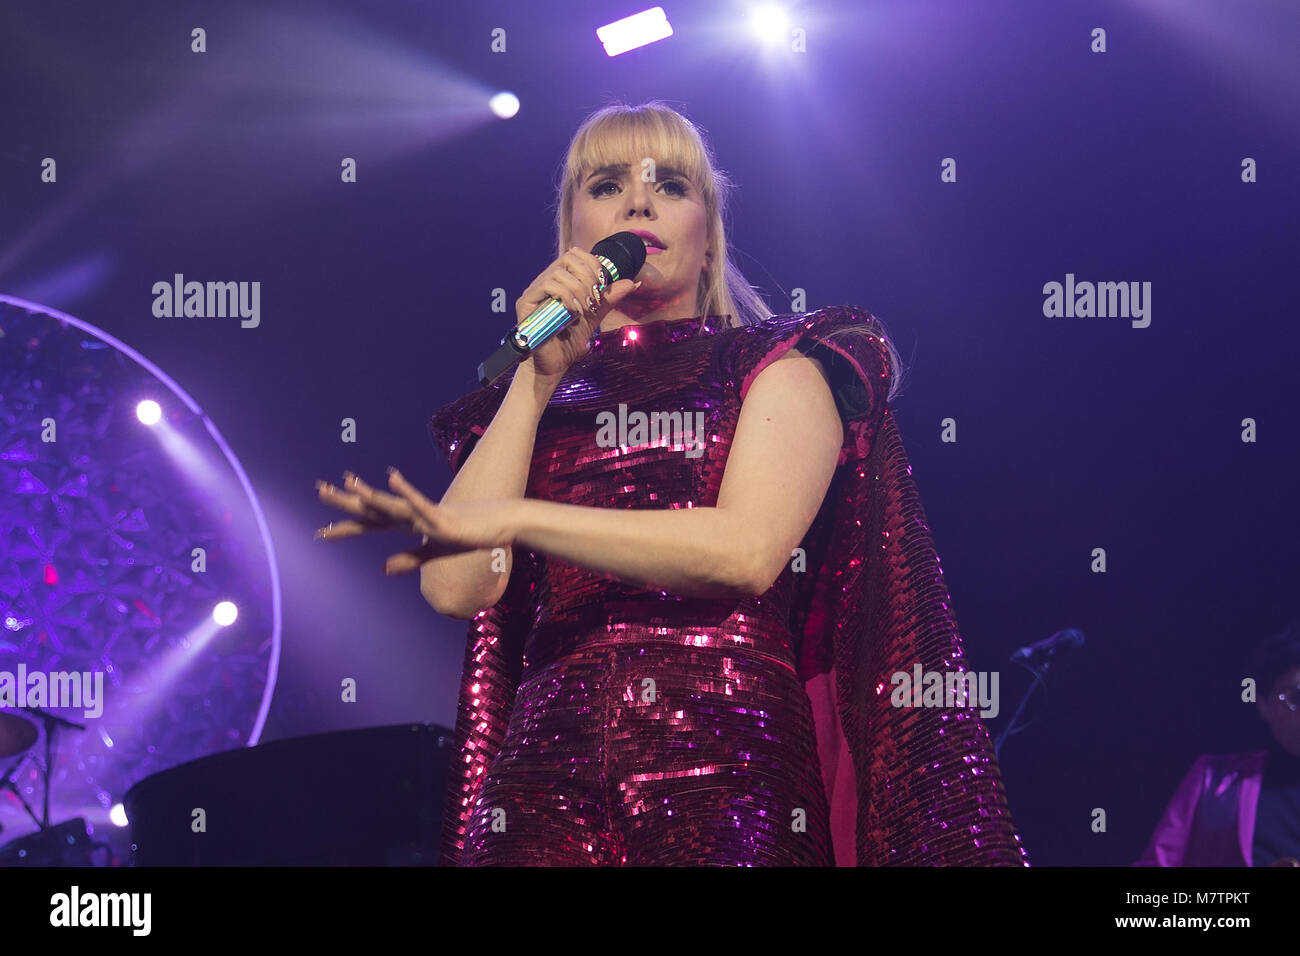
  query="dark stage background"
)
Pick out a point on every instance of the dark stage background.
point(1072, 433)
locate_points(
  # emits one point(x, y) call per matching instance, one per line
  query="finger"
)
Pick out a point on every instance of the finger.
point(406, 561)
point(424, 513)
point(349, 502)
point(552, 289)
point(531, 299)
point(619, 291)
point(409, 493)
point(412, 558)
point(428, 520)
point(403, 562)
point(584, 273)
point(600, 296)
point(342, 529)
point(569, 289)
point(587, 267)
point(389, 506)
point(616, 293)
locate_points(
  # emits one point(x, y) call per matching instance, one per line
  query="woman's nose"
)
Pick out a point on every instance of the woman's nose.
point(640, 196)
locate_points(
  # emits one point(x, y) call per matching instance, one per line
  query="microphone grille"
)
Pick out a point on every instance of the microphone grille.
point(625, 249)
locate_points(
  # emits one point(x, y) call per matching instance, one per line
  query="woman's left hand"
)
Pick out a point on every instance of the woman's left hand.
point(451, 528)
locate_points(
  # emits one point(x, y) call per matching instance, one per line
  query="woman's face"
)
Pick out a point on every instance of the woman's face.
point(641, 196)
point(1281, 719)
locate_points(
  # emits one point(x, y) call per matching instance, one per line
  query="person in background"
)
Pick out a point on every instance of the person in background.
point(1243, 809)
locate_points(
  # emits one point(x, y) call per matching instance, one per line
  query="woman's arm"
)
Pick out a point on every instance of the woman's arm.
point(779, 467)
point(497, 468)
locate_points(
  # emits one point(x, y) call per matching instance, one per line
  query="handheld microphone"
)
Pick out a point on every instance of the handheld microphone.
point(621, 257)
point(1048, 646)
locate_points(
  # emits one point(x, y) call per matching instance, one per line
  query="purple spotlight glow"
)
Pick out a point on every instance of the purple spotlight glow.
point(504, 105)
point(770, 23)
point(634, 31)
point(225, 613)
point(149, 412)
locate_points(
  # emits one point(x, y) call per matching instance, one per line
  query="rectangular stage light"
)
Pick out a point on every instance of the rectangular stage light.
point(634, 31)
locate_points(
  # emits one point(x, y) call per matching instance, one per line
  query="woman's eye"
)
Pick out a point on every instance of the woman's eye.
point(676, 187)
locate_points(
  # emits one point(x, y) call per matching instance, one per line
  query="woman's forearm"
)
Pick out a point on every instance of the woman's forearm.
point(460, 585)
point(693, 552)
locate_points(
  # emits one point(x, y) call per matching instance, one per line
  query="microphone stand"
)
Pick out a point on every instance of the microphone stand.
point(52, 723)
point(7, 783)
point(1011, 727)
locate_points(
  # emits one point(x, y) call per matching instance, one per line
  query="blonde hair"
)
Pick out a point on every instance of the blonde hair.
point(654, 129)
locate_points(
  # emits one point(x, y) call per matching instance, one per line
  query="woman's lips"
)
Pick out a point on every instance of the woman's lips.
point(652, 250)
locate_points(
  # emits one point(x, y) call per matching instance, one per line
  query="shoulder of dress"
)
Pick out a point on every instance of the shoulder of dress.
point(834, 316)
point(471, 411)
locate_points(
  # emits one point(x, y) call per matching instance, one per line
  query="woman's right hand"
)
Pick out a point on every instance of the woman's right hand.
point(569, 279)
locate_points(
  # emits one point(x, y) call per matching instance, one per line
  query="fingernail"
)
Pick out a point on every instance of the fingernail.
point(320, 533)
point(391, 470)
point(636, 286)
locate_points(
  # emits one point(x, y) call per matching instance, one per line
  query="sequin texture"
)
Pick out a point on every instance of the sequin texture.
point(603, 723)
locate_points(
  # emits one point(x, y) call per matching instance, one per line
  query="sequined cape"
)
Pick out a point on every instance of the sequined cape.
point(905, 785)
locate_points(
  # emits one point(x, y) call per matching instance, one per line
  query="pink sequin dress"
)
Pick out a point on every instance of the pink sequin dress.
point(601, 723)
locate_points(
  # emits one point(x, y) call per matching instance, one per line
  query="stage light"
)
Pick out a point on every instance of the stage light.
point(225, 613)
point(770, 23)
point(108, 597)
point(634, 31)
point(149, 412)
point(504, 105)
point(118, 815)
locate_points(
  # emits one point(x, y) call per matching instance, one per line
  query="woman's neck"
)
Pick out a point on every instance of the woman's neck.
point(643, 312)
